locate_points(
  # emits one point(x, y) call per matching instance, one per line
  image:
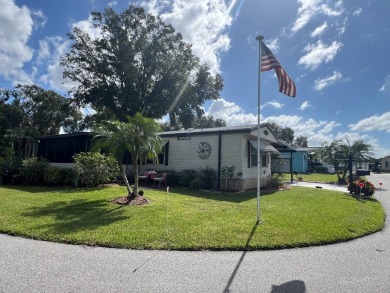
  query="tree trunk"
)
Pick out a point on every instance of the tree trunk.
point(135, 189)
point(125, 178)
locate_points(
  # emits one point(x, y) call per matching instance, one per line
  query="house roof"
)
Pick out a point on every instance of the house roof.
point(283, 147)
point(265, 146)
point(200, 131)
point(65, 135)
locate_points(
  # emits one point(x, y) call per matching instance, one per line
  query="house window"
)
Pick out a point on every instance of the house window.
point(387, 164)
point(162, 156)
point(263, 161)
point(253, 157)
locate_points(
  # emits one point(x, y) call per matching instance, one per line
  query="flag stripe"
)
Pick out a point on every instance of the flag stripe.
point(268, 62)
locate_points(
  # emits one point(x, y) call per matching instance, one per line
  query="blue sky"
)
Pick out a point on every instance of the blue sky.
point(335, 51)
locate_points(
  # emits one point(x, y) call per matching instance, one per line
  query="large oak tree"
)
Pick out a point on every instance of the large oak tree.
point(137, 63)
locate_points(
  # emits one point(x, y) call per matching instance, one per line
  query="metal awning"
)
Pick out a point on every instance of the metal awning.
point(265, 147)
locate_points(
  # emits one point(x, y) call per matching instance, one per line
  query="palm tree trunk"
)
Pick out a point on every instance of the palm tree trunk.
point(135, 189)
point(125, 178)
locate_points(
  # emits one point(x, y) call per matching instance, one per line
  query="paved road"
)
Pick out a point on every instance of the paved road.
point(362, 265)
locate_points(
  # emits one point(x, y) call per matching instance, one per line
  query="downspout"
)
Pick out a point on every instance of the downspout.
point(219, 160)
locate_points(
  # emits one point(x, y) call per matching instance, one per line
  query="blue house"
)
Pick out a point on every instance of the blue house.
point(300, 160)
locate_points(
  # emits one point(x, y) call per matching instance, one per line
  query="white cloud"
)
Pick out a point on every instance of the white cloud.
point(202, 23)
point(310, 8)
point(319, 30)
point(231, 113)
point(386, 86)
point(320, 84)
point(343, 27)
point(304, 105)
point(16, 25)
point(373, 123)
point(39, 18)
point(44, 51)
point(328, 127)
point(319, 53)
point(87, 26)
point(51, 50)
point(317, 132)
point(274, 104)
point(357, 12)
point(273, 45)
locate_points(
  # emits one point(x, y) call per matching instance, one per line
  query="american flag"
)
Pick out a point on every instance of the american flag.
point(268, 62)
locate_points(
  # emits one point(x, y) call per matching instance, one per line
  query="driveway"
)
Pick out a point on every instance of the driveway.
point(361, 265)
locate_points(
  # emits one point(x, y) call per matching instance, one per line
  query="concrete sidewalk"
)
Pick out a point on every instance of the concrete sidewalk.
point(336, 187)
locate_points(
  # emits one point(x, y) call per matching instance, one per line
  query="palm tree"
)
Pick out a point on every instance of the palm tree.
point(337, 153)
point(330, 153)
point(138, 136)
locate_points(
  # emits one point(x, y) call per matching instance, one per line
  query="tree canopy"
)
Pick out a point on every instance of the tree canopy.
point(285, 134)
point(29, 111)
point(301, 141)
point(205, 121)
point(137, 63)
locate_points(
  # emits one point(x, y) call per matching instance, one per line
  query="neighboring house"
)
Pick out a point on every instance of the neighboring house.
point(187, 149)
point(385, 164)
point(299, 159)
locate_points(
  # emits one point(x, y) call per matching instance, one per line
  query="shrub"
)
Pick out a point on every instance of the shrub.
point(172, 178)
point(32, 169)
point(195, 183)
point(277, 180)
point(10, 167)
point(60, 176)
point(94, 168)
point(368, 188)
point(207, 178)
point(10, 164)
point(186, 176)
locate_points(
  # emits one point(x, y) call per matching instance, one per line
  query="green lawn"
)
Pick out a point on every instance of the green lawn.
point(316, 177)
point(187, 219)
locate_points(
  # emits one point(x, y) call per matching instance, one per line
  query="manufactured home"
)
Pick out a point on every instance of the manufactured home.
point(219, 147)
point(188, 149)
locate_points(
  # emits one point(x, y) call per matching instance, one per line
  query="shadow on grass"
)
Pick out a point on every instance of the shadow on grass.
point(48, 189)
point(233, 275)
point(77, 215)
point(228, 197)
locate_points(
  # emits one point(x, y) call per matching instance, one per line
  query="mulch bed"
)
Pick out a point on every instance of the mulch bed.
point(137, 201)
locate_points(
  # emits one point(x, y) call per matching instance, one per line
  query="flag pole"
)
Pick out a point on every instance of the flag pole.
point(259, 38)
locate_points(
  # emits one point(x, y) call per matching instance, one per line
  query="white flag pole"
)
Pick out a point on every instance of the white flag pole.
point(259, 38)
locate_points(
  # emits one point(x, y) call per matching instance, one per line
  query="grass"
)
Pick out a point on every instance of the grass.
point(316, 177)
point(187, 220)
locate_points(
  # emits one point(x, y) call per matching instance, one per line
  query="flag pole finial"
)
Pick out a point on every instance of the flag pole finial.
point(259, 38)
